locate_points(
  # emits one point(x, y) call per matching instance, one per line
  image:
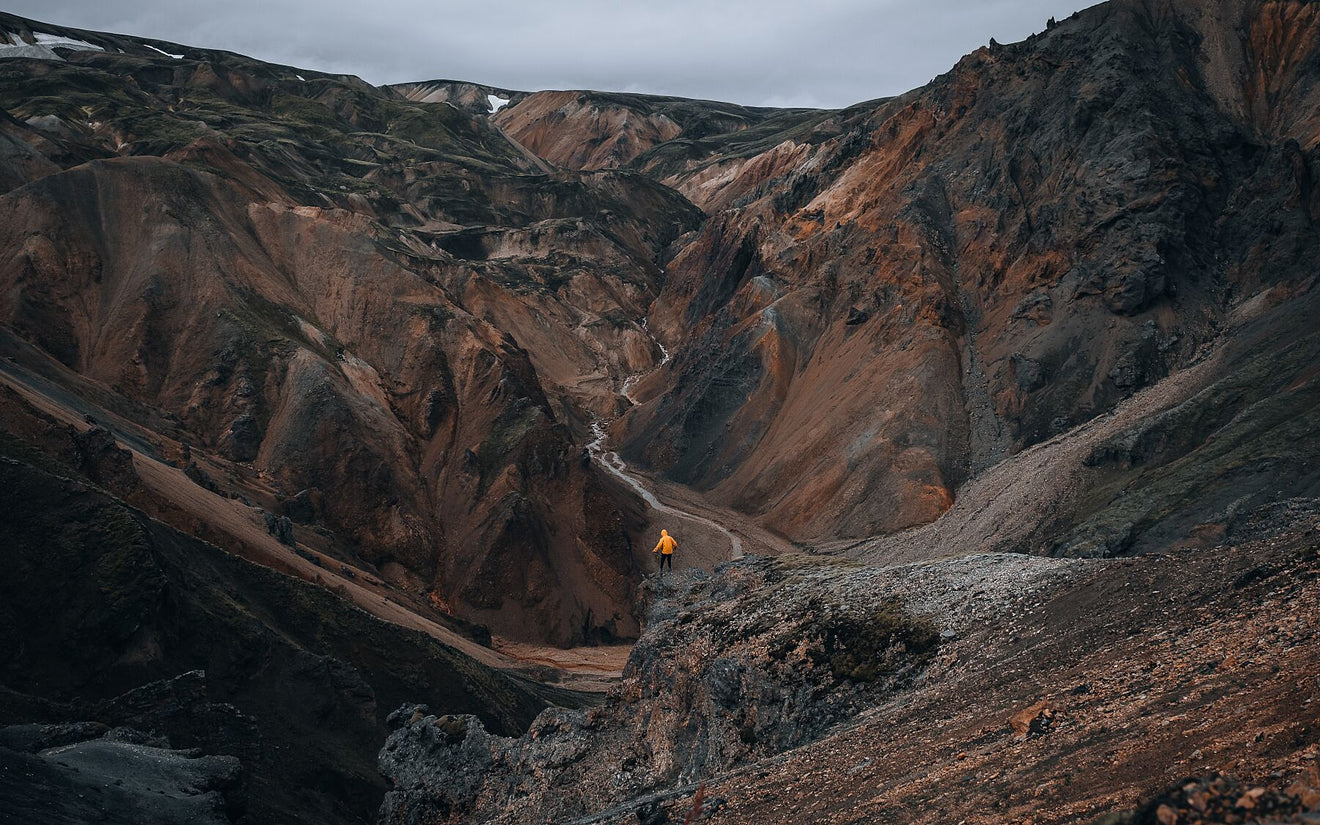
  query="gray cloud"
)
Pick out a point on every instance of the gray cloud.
point(757, 52)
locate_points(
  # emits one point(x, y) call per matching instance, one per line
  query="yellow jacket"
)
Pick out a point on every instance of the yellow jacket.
point(666, 545)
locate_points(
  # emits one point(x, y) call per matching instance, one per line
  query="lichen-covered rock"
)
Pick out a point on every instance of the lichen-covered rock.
point(765, 656)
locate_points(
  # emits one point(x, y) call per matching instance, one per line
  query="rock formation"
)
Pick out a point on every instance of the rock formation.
point(763, 658)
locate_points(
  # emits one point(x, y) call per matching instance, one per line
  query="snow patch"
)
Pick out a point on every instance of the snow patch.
point(55, 41)
point(496, 103)
point(162, 51)
point(20, 49)
point(300, 77)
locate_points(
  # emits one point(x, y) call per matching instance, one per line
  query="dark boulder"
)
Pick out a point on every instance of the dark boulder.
point(281, 527)
point(120, 784)
point(242, 440)
point(102, 460)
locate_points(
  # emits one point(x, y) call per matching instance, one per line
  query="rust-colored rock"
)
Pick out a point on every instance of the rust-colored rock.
point(1032, 721)
point(1027, 256)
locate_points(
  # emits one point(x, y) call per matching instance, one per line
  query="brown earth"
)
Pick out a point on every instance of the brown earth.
point(1085, 699)
point(1060, 691)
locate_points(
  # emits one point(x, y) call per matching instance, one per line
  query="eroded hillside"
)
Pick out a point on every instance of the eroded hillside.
point(985, 263)
point(962, 350)
point(379, 318)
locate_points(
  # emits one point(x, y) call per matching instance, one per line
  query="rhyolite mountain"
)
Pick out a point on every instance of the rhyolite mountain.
point(388, 311)
point(1061, 301)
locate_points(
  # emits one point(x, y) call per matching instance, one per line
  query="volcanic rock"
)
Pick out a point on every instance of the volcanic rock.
point(760, 659)
point(117, 782)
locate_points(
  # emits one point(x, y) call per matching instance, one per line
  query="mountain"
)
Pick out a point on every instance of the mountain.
point(882, 310)
point(379, 317)
point(985, 416)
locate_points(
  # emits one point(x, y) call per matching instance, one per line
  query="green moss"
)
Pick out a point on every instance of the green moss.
point(303, 112)
point(875, 645)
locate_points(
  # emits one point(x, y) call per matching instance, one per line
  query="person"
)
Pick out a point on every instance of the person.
point(666, 550)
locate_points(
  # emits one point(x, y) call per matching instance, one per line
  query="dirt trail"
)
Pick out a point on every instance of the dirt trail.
point(585, 669)
point(682, 502)
point(754, 538)
point(610, 461)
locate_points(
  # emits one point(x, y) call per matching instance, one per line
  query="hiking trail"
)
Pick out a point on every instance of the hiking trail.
point(611, 461)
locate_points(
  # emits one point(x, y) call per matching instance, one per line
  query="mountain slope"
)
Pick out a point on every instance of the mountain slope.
point(608, 130)
point(115, 618)
point(375, 315)
point(986, 262)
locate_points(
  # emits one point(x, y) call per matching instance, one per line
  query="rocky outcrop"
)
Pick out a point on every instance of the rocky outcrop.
point(128, 765)
point(119, 782)
point(1216, 799)
point(1182, 664)
point(764, 657)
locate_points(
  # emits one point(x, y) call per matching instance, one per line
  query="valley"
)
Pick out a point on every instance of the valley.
point(338, 421)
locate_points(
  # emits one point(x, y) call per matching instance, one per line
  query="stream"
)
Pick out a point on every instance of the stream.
point(610, 460)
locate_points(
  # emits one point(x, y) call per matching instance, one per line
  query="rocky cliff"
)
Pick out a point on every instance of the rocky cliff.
point(761, 659)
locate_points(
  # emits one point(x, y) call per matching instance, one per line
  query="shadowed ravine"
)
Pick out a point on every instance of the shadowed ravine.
point(611, 461)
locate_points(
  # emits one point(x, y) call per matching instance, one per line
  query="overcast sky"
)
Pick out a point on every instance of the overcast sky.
point(756, 52)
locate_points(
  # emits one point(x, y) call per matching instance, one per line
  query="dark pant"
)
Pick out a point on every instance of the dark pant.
point(666, 558)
